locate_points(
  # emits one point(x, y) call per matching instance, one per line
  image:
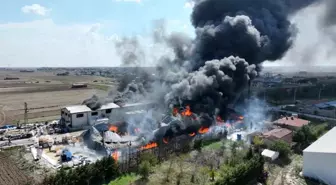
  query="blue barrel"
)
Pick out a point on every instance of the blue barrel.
point(239, 137)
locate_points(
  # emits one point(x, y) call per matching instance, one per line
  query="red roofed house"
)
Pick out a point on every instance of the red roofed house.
point(278, 134)
point(292, 123)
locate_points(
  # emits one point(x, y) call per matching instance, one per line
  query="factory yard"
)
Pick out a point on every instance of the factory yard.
point(45, 93)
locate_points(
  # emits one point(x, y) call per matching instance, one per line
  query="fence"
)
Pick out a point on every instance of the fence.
point(129, 161)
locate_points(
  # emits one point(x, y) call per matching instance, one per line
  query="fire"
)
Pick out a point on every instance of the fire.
point(192, 134)
point(175, 111)
point(115, 156)
point(241, 117)
point(137, 130)
point(113, 129)
point(203, 130)
point(149, 146)
point(187, 111)
point(165, 140)
point(219, 119)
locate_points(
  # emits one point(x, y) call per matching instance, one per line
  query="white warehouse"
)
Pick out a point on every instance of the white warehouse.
point(319, 159)
point(81, 116)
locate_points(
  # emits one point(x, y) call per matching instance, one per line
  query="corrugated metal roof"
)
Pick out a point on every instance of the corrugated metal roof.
point(109, 106)
point(78, 108)
point(324, 144)
point(136, 104)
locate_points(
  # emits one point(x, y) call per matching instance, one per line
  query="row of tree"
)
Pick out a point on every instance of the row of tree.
point(243, 172)
point(100, 172)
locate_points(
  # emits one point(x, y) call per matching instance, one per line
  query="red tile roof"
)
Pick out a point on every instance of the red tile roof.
point(292, 121)
point(278, 133)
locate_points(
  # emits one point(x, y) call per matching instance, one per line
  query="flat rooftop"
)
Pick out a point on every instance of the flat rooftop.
point(78, 108)
point(324, 144)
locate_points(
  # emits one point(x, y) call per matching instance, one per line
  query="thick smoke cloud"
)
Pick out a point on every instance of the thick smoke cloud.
point(329, 17)
point(233, 38)
point(131, 52)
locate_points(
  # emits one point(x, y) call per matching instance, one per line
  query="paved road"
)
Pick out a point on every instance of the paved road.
point(30, 141)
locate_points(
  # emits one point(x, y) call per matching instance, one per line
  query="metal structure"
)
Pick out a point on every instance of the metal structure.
point(25, 113)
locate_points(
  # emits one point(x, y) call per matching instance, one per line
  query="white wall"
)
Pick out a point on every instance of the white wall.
point(66, 115)
point(80, 122)
point(320, 166)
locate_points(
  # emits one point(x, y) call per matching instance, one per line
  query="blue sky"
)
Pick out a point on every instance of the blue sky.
point(72, 33)
point(81, 33)
point(127, 17)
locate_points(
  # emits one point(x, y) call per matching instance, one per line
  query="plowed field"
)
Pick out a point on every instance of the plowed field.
point(10, 174)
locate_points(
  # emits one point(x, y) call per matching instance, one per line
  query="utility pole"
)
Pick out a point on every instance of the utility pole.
point(25, 113)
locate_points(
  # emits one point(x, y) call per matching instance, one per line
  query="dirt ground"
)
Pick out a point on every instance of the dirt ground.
point(288, 174)
point(44, 98)
point(17, 167)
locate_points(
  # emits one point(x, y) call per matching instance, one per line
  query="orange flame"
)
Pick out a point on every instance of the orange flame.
point(113, 129)
point(192, 134)
point(165, 140)
point(115, 156)
point(187, 111)
point(241, 117)
point(149, 146)
point(175, 111)
point(203, 130)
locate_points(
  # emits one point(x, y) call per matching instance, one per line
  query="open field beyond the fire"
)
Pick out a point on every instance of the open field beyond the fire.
point(45, 94)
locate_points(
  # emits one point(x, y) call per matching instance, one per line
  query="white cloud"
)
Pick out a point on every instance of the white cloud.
point(35, 9)
point(44, 43)
point(136, 1)
point(189, 4)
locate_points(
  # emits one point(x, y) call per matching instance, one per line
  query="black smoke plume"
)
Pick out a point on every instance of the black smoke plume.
point(233, 38)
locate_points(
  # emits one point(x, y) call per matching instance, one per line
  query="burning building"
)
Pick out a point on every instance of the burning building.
point(79, 117)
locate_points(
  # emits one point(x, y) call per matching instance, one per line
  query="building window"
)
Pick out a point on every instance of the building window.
point(94, 113)
point(108, 111)
point(79, 115)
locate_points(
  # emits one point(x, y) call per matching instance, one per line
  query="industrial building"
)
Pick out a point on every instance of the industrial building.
point(81, 116)
point(319, 159)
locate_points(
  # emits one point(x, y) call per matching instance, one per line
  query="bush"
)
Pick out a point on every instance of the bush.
point(282, 147)
point(96, 173)
point(242, 173)
point(144, 169)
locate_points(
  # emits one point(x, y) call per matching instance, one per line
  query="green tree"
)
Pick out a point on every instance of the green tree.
point(144, 169)
point(304, 137)
point(282, 147)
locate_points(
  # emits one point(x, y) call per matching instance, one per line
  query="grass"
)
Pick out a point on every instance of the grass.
point(125, 180)
point(100, 87)
point(215, 146)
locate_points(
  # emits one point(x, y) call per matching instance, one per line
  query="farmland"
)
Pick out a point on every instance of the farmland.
point(45, 93)
point(10, 173)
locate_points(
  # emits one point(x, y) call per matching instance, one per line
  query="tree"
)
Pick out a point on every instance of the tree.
point(144, 169)
point(258, 142)
point(304, 136)
point(282, 147)
point(233, 148)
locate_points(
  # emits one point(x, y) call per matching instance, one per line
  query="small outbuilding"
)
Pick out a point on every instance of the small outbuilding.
point(269, 154)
